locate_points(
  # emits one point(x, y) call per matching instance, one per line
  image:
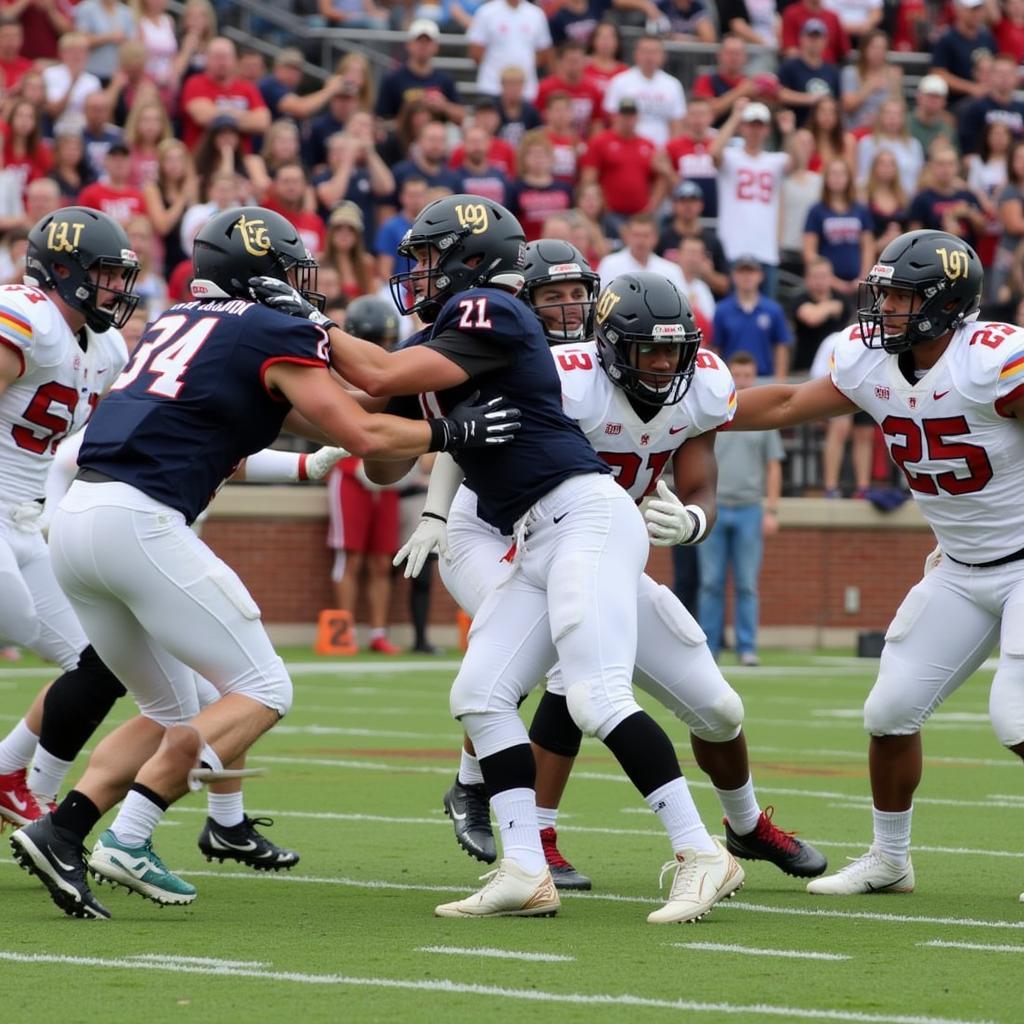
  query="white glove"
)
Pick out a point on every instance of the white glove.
point(932, 560)
point(430, 535)
point(671, 522)
point(322, 461)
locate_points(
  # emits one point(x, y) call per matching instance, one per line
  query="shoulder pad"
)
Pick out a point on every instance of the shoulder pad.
point(578, 369)
point(711, 399)
point(29, 322)
point(991, 358)
point(851, 360)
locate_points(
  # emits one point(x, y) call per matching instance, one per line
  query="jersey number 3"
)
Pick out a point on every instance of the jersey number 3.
point(166, 353)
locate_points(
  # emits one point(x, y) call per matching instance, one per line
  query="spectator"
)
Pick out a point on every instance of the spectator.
point(287, 196)
point(944, 205)
point(418, 78)
point(632, 173)
point(604, 63)
point(252, 65)
point(281, 145)
point(221, 194)
point(749, 489)
point(576, 20)
point(886, 200)
point(345, 252)
point(892, 133)
point(987, 175)
point(131, 83)
point(150, 285)
point(805, 78)
point(106, 24)
point(42, 197)
point(154, 28)
point(70, 169)
point(198, 26)
point(690, 153)
point(831, 140)
point(750, 186)
point(68, 83)
point(166, 199)
point(756, 22)
point(747, 321)
point(207, 94)
point(818, 311)
point(801, 189)
point(508, 34)
point(353, 14)
point(518, 115)
point(12, 64)
point(480, 177)
point(837, 42)
point(687, 20)
point(929, 119)
point(219, 149)
point(640, 236)
point(1011, 219)
point(687, 210)
point(955, 54)
point(98, 132)
point(1009, 30)
point(428, 159)
point(868, 83)
point(565, 143)
point(499, 152)
point(858, 17)
point(455, 15)
point(658, 96)
point(114, 193)
point(999, 105)
point(595, 222)
point(728, 82)
point(412, 197)
point(26, 154)
point(585, 98)
point(839, 228)
point(536, 194)
point(42, 25)
point(340, 108)
point(147, 126)
point(694, 263)
point(280, 89)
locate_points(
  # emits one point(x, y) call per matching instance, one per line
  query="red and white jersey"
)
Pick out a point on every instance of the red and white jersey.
point(962, 454)
point(749, 190)
point(59, 386)
point(637, 451)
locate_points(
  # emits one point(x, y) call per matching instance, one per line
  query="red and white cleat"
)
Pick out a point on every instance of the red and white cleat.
point(17, 804)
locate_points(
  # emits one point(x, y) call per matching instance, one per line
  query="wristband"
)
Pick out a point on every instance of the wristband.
point(440, 434)
point(432, 515)
point(700, 521)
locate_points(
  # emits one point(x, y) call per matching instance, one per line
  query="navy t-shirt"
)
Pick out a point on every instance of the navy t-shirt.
point(801, 77)
point(839, 235)
point(445, 177)
point(403, 86)
point(977, 116)
point(928, 207)
point(955, 52)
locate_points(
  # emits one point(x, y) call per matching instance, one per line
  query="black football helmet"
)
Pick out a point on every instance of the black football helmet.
point(548, 261)
point(635, 312)
point(472, 241)
point(373, 320)
point(945, 276)
point(249, 241)
point(85, 257)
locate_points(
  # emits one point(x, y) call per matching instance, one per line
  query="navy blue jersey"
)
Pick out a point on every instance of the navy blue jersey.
point(488, 326)
point(192, 404)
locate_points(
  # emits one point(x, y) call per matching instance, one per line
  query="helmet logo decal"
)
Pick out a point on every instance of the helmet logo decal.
point(62, 236)
point(882, 270)
point(955, 262)
point(606, 303)
point(473, 216)
point(255, 236)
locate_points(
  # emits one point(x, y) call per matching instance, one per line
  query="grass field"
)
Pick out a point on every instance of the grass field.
point(357, 771)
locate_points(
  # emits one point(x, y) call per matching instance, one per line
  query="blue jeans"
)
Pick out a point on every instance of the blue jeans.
point(736, 540)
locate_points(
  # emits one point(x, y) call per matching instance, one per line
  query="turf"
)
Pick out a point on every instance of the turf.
point(357, 771)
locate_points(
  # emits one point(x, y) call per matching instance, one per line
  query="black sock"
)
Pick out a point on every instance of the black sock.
point(511, 768)
point(77, 813)
point(150, 795)
point(419, 603)
point(553, 728)
point(645, 752)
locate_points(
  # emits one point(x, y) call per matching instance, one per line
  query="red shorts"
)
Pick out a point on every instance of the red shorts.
point(362, 520)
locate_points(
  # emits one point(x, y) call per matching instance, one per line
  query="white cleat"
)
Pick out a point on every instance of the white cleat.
point(701, 880)
point(871, 873)
point(510, 892)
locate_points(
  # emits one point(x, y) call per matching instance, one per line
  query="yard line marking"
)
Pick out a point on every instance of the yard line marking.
point(980, 946)
point(861, 755)
point(938, 716)
point(793, 954)
point(498, 954)
point(449, 987)
point(332, 730)
point(368, 668)
point(206, 961)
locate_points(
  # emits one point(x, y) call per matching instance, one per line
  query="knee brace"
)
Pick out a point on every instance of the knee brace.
point(722, 720)
point(553, 728)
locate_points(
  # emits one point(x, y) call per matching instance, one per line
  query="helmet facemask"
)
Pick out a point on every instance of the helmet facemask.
point(924, 321)
point(302, 276)
point(651, 387)
point(569, 319)
point(103, 291)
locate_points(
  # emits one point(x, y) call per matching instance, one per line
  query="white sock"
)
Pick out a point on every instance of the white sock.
point(516, 811)
point(469, 770)
point(46, 774)
point(892, 834)
point(226, 809)
point(377, 633)
point(17, 748)
point(137, 819)
point(740, 807)
point(547, 816)
point(673, 804)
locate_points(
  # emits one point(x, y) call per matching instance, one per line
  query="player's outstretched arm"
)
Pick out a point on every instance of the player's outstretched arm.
point(771, 406)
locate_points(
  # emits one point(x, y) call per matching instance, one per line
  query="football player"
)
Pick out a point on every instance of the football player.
point(629, 424)
point(573, 569)
point(948, 392)
point(212, 381)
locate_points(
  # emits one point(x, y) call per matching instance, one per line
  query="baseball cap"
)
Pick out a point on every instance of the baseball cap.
point(627, 105)
point(423, 27)
point(688, 190)
point(746, 260)
point(346, 212)
point(756, 112)
point(223, 121)
point(933, 85)
point(814, 26)
point(118, 147)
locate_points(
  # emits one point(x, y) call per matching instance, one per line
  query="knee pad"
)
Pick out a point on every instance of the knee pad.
point(1006, 701)
point(676, 619)
point(553, 728)
point(722, 720)
point(887, 711)
point(495, 731)
point(594, 712)
point(268, 684)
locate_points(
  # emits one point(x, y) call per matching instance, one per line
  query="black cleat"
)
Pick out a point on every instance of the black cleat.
point(243, 843)
point(783, 849)
point(564, 874)
point(470, 811)
point(57, 858)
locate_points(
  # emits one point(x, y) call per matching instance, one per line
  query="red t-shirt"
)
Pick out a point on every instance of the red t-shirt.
point(599, 79)
point(309, 226)
point(585, 95)
point(566, 151)
point(1010, 39)
point(499, 153)
point(690, 158)
point(237, 95)
point(623, 170)
point(120, 203)
point(29, 167)
point(793, 18)
point(11, 74)
point(178, 283)
point(40, 35)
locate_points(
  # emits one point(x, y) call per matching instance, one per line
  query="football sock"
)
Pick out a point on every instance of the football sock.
point(46, 774)
point(419, 604)
point(469, 770)
point(17, 748)
point(77, 813)
point(674, 805)
point(516, 812)
point(139, 816)
point(227, 809)
point(645, 752)
point(547, 816)
point(740, 807)
point(892, 834)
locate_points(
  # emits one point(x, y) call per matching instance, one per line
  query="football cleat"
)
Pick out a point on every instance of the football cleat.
point(139, 869)
point(470, 811)
point(57, 858)
point(509, 892)
point(873, 872)
point(701, 879)
point(17, 803)
point(564, 874)
point(382, 645)
point(243, 843)
point(783, 849)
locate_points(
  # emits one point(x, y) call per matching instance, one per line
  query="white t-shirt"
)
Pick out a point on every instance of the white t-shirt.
point(852, 12)
point(57, 78)
point(622, 262)
point(699, 296)
point(659, 100)
point(511, 37)
point(749, 191)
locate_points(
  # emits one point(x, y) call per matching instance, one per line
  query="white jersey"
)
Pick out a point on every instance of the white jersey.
point(962, 455)
point(749, 193)
point(637, 451)
point(59, 386)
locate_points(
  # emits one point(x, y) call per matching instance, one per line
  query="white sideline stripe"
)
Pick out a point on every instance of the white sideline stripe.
point(980, 946)
point(449, 987)
point(368, 668)
point(792, 954)
point(938, 716)
point(332, 730)
point(206, 961)
point(1010, 761)
point(497, 954)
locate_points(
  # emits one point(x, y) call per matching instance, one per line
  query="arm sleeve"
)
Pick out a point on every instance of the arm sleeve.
point(445, 479)
point(470, 352)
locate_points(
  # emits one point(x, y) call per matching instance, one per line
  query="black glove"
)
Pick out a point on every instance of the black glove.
point(475, 426)
point(280, 295)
